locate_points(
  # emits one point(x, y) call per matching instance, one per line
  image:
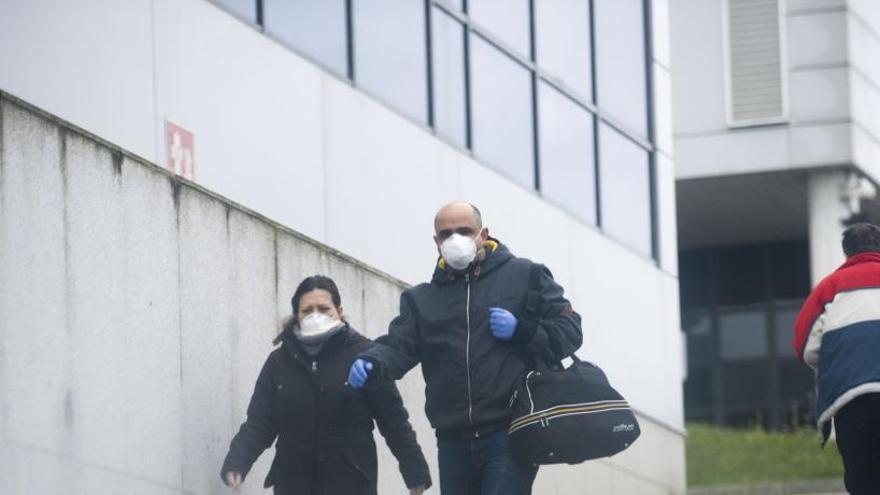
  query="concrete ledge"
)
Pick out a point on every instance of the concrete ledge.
point(812, 487)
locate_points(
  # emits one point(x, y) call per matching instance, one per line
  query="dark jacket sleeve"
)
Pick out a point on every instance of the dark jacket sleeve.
point(555, 330)
point(259, 430)
point(397, 352)
point(393, 421)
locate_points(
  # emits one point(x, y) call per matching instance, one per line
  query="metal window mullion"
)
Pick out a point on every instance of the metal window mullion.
point(536, 147)
point(429, 62)
point(468, 128)
point(594, 95)
point(649, 108)
point(349, 39)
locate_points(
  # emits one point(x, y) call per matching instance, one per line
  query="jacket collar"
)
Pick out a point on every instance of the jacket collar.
point(857, 259)
point(496, 255)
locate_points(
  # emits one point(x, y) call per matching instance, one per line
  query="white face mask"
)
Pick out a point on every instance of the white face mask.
point(317, 323)
point(459, 251)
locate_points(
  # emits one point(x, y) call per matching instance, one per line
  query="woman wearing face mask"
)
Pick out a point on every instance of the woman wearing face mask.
point(324, 427)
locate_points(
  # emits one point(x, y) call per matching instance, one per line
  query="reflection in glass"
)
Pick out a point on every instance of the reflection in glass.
point(562, 35)
point(568, 173)
point(625, 190)
point(315, 28)
point(501, 112)
point(743, 334)
point(389, 53)
point(447, 52)
point(246, 9)
point(507, 20)
point(700, 344)
point(783, 321)
point(620, 62)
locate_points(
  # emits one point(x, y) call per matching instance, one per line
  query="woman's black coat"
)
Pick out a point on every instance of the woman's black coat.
point(324, 427)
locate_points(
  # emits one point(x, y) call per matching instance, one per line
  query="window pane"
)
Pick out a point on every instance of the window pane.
point(316, 28)
point(743, 334)
point(508, 20)
point(562, 33)
point(784, 332)
point(246, 9)
point(447, 49)
point(454, 4)
point(389, 46)
point(620, 62)
point(700, 344)
point(568, 173)
point(501, 117)
point(625, 190)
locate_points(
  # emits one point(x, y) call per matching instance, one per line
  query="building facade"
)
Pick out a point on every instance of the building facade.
point(351, 122)
point(777, 145)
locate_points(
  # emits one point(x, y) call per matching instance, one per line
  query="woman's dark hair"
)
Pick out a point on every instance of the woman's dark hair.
point(861, 237)
point(307, 285)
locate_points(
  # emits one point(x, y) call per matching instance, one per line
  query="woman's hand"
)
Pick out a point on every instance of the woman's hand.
point(417, 490)
point(233, 479)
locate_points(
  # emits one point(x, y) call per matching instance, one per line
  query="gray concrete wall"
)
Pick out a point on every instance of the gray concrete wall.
point(136, 310)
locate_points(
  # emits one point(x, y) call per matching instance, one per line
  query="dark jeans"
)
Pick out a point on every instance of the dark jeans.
point(482, 466)
point(857, 426)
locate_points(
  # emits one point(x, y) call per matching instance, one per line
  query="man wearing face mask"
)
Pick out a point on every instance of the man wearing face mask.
point(469, 329)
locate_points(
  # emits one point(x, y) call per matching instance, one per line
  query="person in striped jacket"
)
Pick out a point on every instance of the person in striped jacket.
point(837, 334)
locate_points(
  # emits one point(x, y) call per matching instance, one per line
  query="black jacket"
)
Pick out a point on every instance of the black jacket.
point(444, 324)
point(324, 428)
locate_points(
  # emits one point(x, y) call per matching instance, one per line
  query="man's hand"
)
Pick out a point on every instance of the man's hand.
point(417, 490)
point(502, 323)
point(359, 372)
point(233, 479)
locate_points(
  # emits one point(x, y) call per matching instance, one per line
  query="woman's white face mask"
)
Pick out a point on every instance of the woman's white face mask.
point(317, 323)
point(459, 251)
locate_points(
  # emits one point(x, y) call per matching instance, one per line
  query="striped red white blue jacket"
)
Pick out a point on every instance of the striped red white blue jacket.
point(837, 333)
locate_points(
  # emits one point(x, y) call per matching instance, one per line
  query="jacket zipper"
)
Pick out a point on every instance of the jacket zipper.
point(467, 355)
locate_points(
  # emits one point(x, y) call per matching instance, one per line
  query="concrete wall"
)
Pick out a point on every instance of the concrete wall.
point(830, 60)
point(286, 139)
point(137, 309)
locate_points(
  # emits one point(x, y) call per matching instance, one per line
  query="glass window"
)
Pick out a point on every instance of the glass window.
point(315, 28)
point(620, 62)
point(784, 332)
point(741, 277)
point(246, 9)
point(508, 20)
point(562, 35)
point(453, 4)
point(625, 190)
point(568, 173)
point(390, 53)
point(790, 265)
point(447, 52)
point(743, 334)
point(501, 112)
point(700, 344)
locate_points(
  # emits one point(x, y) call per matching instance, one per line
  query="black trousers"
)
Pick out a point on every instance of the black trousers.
point(857, 426)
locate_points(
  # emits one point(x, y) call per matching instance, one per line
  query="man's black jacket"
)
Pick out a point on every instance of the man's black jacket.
point(324, 428)
point(444, 325)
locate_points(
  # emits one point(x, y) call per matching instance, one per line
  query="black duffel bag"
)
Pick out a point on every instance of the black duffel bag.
point(569, 416)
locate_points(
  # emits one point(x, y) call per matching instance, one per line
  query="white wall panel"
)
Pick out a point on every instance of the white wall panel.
point(253, 107)
point(88, 62)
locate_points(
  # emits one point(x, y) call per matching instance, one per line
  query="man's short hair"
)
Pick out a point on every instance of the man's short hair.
point(861, 237)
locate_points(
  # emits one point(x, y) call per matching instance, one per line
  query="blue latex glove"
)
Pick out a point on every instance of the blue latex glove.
point(359, 372)
point(502, 323)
